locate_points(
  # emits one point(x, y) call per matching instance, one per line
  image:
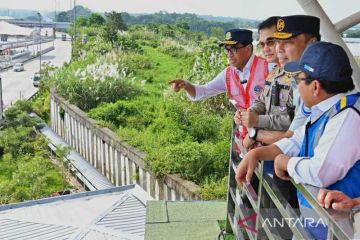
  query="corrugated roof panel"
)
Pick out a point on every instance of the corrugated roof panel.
point(129, 217)
point(114, 213)
point(19, 230)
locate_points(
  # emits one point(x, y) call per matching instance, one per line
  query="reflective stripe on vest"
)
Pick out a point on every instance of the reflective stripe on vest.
point(255, 85)
point(256, 82)
point(350, 184)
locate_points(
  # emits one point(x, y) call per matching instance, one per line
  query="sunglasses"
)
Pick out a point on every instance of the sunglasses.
point(268, 43)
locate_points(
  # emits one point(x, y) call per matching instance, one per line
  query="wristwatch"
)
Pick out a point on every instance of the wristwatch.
point(354, 211)
point(253, 133)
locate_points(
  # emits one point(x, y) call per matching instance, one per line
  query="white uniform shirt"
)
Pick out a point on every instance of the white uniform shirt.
point(301, 111)
point(218, 84)
point(336, 153)
point(300, 117)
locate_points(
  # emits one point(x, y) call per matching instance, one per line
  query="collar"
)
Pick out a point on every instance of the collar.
point(248, 65)
point(272, 66)
point(323, 106)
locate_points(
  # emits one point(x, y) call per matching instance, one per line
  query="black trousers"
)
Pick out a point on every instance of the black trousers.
point(288, 190)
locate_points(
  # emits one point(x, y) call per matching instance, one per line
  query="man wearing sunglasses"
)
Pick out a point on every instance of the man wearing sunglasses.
point(243, 80)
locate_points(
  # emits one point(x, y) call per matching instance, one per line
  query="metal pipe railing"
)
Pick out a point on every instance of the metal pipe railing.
point(247, 202)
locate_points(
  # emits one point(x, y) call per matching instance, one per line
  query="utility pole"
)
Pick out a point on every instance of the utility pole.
point(1, 101)
point(74, 20)
point(54, 25)
point(40, 41)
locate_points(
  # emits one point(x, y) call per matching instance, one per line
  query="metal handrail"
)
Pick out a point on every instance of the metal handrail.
point(237, 210)
point(24, 43)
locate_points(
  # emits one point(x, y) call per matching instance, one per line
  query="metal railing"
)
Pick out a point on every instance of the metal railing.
point(24, 43)
point(247, 203)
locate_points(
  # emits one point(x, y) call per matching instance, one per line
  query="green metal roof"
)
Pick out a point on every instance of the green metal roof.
point(183, 220)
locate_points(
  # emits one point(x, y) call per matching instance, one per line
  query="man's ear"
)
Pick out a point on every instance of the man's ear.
point(316, 88)
point(313, 39)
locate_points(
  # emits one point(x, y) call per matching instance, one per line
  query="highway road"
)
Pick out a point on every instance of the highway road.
point(18, 85)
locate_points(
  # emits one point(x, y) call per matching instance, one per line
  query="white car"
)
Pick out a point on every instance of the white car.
point(18, 67)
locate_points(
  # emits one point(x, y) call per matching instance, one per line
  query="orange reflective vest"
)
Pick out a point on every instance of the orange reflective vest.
point(255, 84)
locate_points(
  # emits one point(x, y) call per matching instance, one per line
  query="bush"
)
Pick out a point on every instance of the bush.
point(190, 159)
point(97, 83)
point(137, 113)
point(204, 127)
point(213, 189)
point(26, 172)
point(174, 51)
point(128, 44)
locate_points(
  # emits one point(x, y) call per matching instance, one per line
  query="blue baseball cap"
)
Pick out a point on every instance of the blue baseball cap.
point(291, 26)
point(235, 36)
point(323, 61)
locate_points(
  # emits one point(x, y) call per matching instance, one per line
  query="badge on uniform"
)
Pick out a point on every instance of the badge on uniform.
point(287, 78)
point(258, 90)
point(228, 36)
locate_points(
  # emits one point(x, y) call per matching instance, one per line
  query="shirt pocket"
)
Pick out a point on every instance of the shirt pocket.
point(284, 98)
point(267, 96)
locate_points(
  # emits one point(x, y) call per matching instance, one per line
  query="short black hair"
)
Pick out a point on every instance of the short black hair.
point(334, 87)
point(268, 23)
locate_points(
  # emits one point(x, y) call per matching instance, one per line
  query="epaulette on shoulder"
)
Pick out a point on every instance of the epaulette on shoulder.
point(287, 78)
point(272, 75)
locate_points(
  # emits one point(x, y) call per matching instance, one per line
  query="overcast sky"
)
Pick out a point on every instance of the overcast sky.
point(253, 9)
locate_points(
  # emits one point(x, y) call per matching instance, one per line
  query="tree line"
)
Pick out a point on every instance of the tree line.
point(188, 21)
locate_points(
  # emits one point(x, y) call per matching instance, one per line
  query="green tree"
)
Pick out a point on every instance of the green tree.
point(96, 19)
point(26, 172)
point(110, 35)
point(82, 22)
point(183, 25)
point(115, 21)
point(217, 32)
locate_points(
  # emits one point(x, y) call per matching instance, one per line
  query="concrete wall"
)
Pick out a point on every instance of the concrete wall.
point(121, 163)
